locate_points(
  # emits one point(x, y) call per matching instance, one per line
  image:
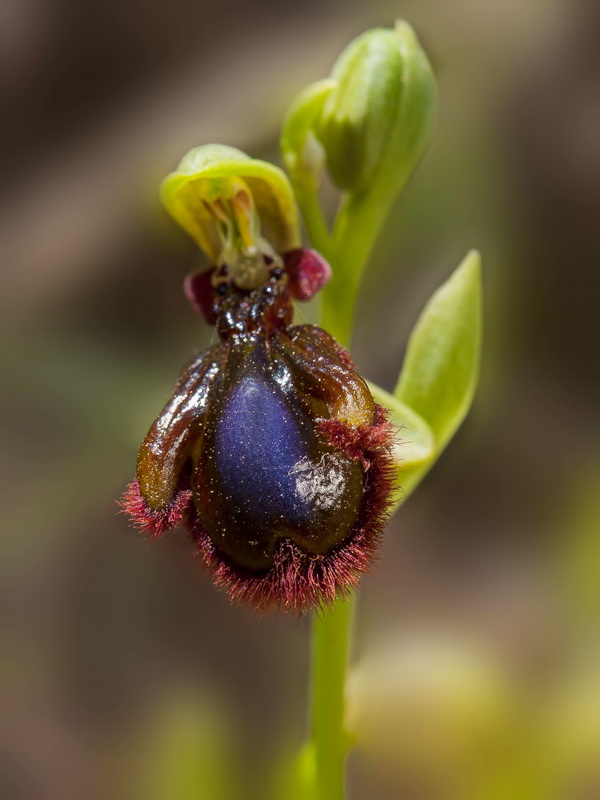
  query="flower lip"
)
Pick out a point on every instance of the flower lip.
point(273, 454)
point(298, 581)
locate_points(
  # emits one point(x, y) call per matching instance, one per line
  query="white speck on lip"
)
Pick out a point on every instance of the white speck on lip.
point(321, 485)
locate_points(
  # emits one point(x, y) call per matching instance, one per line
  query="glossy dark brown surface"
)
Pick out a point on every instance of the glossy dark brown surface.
point(264, 473)
point(242, 431)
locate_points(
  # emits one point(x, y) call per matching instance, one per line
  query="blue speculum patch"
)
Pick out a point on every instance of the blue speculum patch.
point(259, 444)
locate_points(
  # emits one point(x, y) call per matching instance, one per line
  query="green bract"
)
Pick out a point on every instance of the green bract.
point(439, 376)
point(372, 118)
point(235, 207)
point(441, 367)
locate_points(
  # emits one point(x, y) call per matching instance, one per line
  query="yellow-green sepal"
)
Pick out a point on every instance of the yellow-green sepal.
point(216, 171)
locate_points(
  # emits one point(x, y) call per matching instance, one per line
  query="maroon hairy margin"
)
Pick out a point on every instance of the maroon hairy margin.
point(155, 523)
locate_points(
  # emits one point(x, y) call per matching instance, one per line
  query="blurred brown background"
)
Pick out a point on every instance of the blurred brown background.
point(103, 632)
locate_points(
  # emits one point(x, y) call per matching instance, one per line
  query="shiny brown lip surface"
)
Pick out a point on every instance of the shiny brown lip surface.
point(274, 456)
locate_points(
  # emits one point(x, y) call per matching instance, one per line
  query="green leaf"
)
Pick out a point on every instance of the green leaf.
point(441, 367)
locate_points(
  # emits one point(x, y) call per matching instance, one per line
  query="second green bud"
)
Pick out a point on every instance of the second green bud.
point(372, 119)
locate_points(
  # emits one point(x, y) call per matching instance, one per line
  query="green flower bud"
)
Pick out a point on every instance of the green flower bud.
point(302, 154)
point(236, 208)
point(372, 118)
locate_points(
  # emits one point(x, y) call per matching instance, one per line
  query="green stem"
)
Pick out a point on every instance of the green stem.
point(315, 222)
point(331, 633)
point(357, 226)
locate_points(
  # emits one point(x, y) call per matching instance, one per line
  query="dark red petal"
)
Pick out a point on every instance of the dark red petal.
point(155, 522)
point(201, 294)
point(307, 272)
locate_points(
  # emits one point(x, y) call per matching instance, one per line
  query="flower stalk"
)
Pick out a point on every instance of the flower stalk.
point(331, 643)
